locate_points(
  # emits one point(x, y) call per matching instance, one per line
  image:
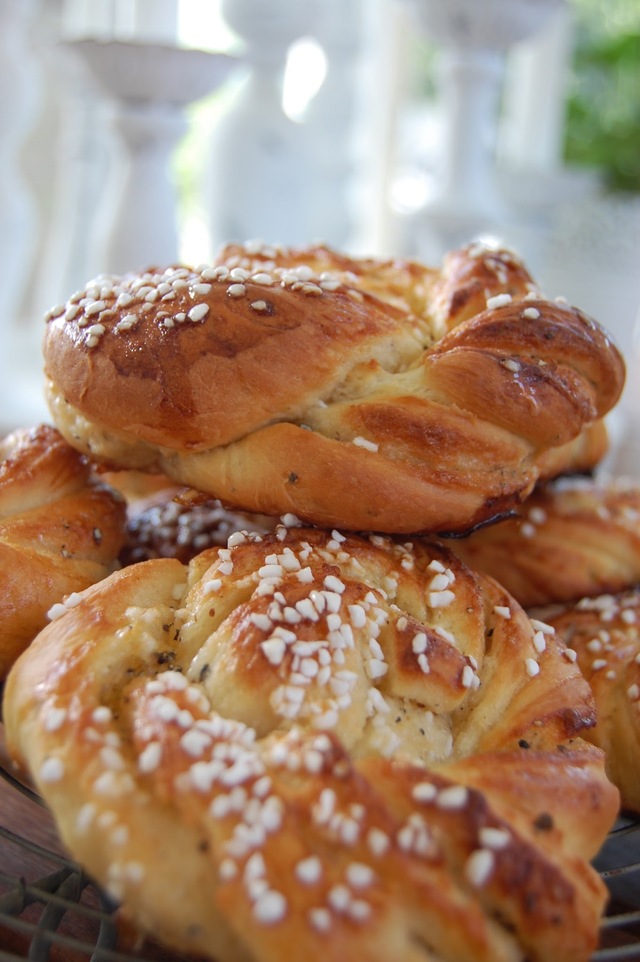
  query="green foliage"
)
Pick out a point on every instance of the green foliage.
point(603, 109)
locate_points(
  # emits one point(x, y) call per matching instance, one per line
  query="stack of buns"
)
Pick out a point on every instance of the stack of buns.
point(314, 713)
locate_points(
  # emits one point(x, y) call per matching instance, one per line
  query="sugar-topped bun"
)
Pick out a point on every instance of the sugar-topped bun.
point(173, 523)
point(574, 547)
point(572, 538)
point(369, 395)
point(60, 531)
point(604, 632)
point(318, 746)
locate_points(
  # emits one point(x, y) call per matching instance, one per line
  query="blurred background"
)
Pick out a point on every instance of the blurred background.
point(146, 132)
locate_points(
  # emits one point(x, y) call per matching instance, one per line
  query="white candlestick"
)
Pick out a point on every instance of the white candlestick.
point(259, 174)
point(387, 45)
point(146, 87)
point(470, 88)
point(19, 83)
point(148, 20)
point(474, 38)
point(535, 96)
point(88, 18)
point(625, 456)
point(142, 225)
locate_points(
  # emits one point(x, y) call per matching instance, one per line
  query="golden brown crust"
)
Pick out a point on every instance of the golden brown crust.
point(535, 877)
point(446, 297)
point(574, 538)
point(604, 632)
point(364, 394)
point(287, 747)
point(578, 457)
point(472, 275)
point(60, 531)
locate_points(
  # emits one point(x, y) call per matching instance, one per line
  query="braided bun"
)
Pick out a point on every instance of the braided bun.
point(60, 531)
point(604, 632)
point(573, 538)
point(319, 746)
point(361, 394)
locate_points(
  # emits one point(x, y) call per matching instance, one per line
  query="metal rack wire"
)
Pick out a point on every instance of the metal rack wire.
point(37, 914)
point(619, 866)
point(59, 914)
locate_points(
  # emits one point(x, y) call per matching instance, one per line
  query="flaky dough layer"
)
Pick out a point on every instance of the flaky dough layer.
point(364, 394)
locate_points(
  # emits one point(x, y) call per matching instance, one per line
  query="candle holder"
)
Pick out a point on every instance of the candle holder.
point(261, 162)
point(148, 87)
point(473, 39)
point(18, 111)
point(624, 459)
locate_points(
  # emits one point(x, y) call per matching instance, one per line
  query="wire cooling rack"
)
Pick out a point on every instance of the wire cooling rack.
point(52, 912)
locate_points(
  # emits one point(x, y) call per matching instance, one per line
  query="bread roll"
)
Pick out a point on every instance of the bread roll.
point(604, 632)
point(60, 531)
point(573, 538)
point(317, 746)
point(362, 394)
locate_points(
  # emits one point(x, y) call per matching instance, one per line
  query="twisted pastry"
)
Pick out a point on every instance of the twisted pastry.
point(60, 531)
point(321, 746)
point(573, 538)
point(367, 395)
point(604, 632)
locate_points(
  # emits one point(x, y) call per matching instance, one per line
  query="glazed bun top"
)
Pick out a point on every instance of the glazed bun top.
point(360, 393)
point(193, 358)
